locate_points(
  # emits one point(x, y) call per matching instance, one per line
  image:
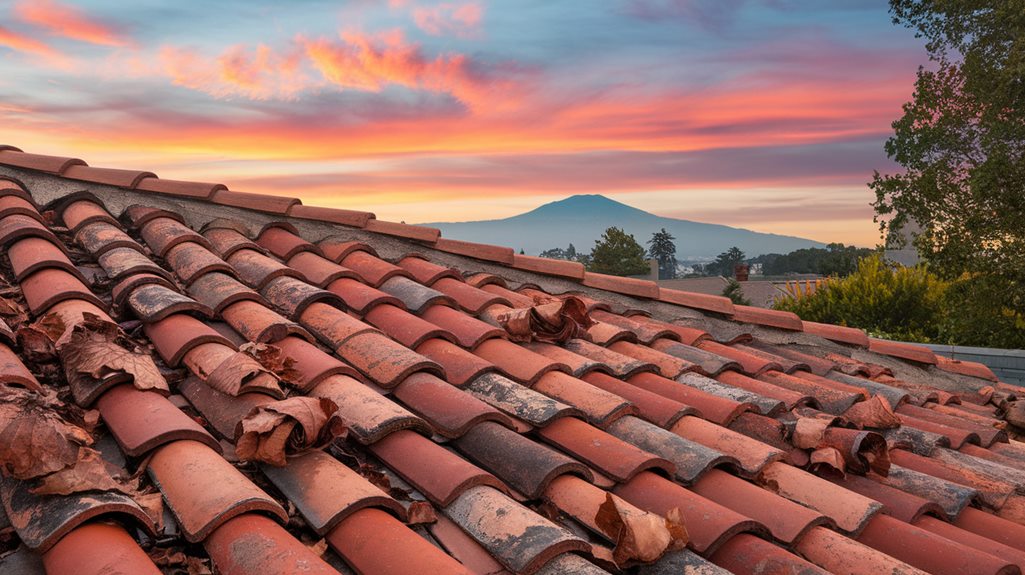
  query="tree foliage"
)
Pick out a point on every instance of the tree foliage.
point(735, 292)
point(725, 263)
point(961, 144)
point(617, 253)
point(662, 248)
point(834, 260)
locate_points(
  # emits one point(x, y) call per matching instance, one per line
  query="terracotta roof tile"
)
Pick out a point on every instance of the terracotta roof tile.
point(162, 234)
point(474, 250)
point(18, 226)
point(404, 327)
point(715, 403)
point(461, 366)
point(579, 364)
point(359, 297)
point(139, 215)
point(691, 459)
point(374, 542)
point(667, 365)
point(120, 263)
point(283, 243)
point(52, 164)
point(293, 296)
point(767, 317)
point(175, 335)
point(415, 297)
point(449, 410)
point(704, 302)
point(258, 323)
point(629, 286)
point(849, 510)
point(562, 268)
point(226, 241)
point(705, 363)
point(337, 249)
point(190, 260)
point(32, 254)
point(834, 552)
point(259, 202)
point(144, 420)
point(426, 272)
point(837, 333)
point(519, 401)
point(107, 176)
point(912, 352)
point(369, 416)
point(218, 291)
point(742, 553)
point(13, 371)
point(251, 544)
point(154, 302)
point(317, 269)
point(384, 361)
point(600, 406)
point(418, 233)
point(97, 548)
point(352, 218)
point(971, 368)
point(50, 286)
point(752, 455)
point(179, 188)
point(609, 454)
point(257, 270)
point(655, 408)
point(13, 204)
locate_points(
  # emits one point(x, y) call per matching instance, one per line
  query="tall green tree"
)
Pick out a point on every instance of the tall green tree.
point(662, 248)
point(961, 144)
point(617, 253)
point(725, 262)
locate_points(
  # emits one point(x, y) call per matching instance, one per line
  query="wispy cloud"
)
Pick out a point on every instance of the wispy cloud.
point(29, 45)
point(449, 18)
point(68, 22)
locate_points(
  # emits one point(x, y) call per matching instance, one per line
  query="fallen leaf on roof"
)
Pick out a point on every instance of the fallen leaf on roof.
point(242, 371)
point(874, 412)
point(289, 426)
point(420, 512)
point(274, 360)
point(98, 349)
point(827, 461)
point(808, 432)
point(153, 505)
point(36, 346)
point(34, 440)
point(638, 535)
point(318, 547)
point(90, 473)
point(553, 322)
point(12, 312)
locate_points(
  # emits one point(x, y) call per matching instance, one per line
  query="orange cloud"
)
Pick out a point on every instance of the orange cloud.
point(257, 74)
point(28, 45)
point(68, 22)
point(458, 19)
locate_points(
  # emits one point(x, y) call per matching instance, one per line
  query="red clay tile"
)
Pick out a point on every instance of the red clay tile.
point(14, 372)
point(990, 526)
point(600, 406)
point(833, 397)
point(655, 408)
point(970, 368)
point(517, 362)
point(140, 215)
point(629, 286)
point(176, 334)
point(337, 249)
point(721, 410)
point(331, 325)
point(667, 365)
point(848, 509)
point(260, 324)
point(749, 555)
point(705, 302)
point(484, 252)
point(686, 335)
point(120, 292)
point(47, 287)
point(708, 523)
point(179, 188)
point(426, 272)
point(257, 270)
point(190, 260)
point(645, 331)
point(753, 455)
point(404, 327)
point(251, 544)
point(814, 364)
point(766, 352)
point(519, 401)
point(930, 552)
point(222, 411)
point(517, 299)
point(283, 243)
point(469, 298)
point(325, 491)
point(609, 454)
point(218, 291)
point(705, 363)
point(226, 241)
point(32, 254)
point(382, 360)
point(99, 237)
point(162, 234)
point(900, 504)
point(317, 269)
point(908, 351)
point(312, 364)
point(523, 542)
point(259, 202)
point(120, 263)
point(1015, 556)
point(838, 554)
point(293, 296)
point(419, 233)
point(203, 490)
point(374, 542)
point(580, 364)
point(463, 548)
point(562, 268)
point(461, 367)
point(40, 521)
point(369, 415)
point(767, 317)
point(603, 333)
point(12, 204)
point(106, 176)
point(692, 460)
point(352, 218)
point(449, 410)
point(98, 549)
point(435, 471)
point(19, 226)
point(786, 520)
point(469, 331)
point(154, 302)
point(987, 434)
point(848, 335)
point(143, 420)
point(359, 297)
point(790, 399)
point(7, 336)
point(372, 269)
point(51, 164)
point(956, 437)
point(524, 465)
point(752, 364)
point(415, 297)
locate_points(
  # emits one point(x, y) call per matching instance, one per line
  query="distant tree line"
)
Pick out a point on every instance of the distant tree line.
point(618, 253)
point(834, 260)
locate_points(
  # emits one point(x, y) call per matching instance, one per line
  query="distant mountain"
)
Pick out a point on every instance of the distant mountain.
point(581, 219)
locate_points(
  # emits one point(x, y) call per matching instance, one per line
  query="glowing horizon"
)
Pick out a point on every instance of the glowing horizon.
point(764, 114)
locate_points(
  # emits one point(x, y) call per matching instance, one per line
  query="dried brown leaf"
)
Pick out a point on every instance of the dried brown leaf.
point(198, 566)
point(421, 512)
point(289, 426)
point(36, 345)
point(98, 349)
point(639, 535)
point(239, 371)
point(827, 461)
point(808, 432)
point(874, 412)
point(677, 529)
point(34, 440)
point(318, 547)
point(554, 321)
point(153, 505)
point(274, 360)
point(90, 473)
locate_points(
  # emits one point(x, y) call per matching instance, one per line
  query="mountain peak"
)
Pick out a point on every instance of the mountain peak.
point(585, 205)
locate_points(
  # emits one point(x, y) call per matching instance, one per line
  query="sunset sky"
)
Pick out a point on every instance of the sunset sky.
point(765, 114)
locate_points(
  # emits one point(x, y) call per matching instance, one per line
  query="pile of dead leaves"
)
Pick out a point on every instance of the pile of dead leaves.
point(555, 321)
point(255, 367)
point(98, 349)
point(270, 432)
point(839, 446)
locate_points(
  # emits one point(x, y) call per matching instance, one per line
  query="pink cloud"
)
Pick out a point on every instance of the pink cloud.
point(28, 45)
point(68, 22)
point(447, 18)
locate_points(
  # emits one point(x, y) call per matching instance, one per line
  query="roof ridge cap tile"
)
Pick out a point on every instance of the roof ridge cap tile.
point(39, 162)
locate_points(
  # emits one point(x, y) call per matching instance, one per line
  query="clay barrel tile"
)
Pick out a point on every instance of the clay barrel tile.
point(256, 270)
point(713, 403)
point(607, 453)
point(616, 363)
point(218, 291)
point(337, 249)
point(490, 284)
point(312, 364)
point(260, 324)
point(203, 490)
point(415, 297)
point(581, 365)
point(162, 234)
point(108, 176)
point(788, 397)
point(222, 411)
point(435, 471)
point(317, 269)
point(84, 212)
point(752, 365)
point(359, 297)
point(950, 496)
point(384, 361)
point(655, 408)
point(522, 540)
point(692, 459)
point(470, 299)
point(404, 327)
point(50, 286)
point(259, 202)
point(516, 362)
point(769, 353)
point(1014, 555)
point(190, 260)
point(40, 162)
point(120, 263)
point(646, 331)
point(991, 526)
point(370, 268)
point(411, 232)
point(461, 366)
point(526, 466)
point(469, 331)
point(499, 254)
point(154, 302)
point(32, 254)
point(450, 410)
point(326, 491)
point(667, 365)
point(227, 241)
point(848, 509)
point(120, 292)
point(706, 363)
point(767, 317)
point(98, 549)
point(600, 406)
point(139, 215)
point(463, 548)
point(331, 325)
point(838, 554)
point(369, 415)
point(99, 237)
point(561, 268)
point(18, 226)
point(753, 455)
point(745, 554)
point(354, 218)
point(426, 272)
point(293, 296)
point(283, 243)
point(142, 420)
point(519, 401)
point(13, 371)
point(251, 544)
point(705, 302)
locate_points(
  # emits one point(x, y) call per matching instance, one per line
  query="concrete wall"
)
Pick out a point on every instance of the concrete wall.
point(1007, 364)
